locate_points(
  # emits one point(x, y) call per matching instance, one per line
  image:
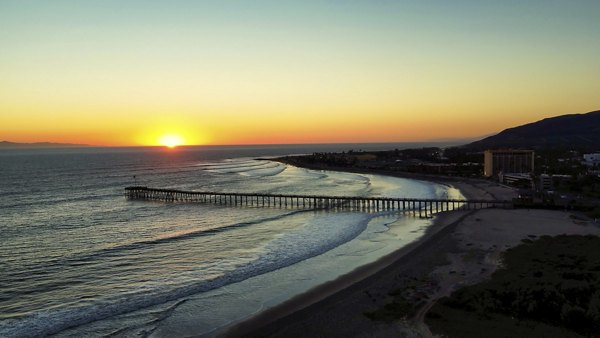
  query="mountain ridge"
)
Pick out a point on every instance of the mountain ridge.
point(580, 131)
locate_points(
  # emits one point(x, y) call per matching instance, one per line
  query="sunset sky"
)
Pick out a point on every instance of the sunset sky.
point(239, 72)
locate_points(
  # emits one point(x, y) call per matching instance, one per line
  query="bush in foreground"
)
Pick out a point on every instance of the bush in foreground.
point(547, 285)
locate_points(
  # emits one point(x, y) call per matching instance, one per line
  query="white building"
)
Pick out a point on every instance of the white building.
point(591, 159)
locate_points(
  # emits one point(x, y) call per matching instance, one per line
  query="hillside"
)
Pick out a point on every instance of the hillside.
point(574, 131)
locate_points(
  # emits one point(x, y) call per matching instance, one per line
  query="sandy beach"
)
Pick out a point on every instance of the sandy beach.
point(460, 248)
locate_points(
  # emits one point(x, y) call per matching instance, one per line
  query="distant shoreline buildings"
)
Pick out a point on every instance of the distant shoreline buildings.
point(508, 162)
point(591, 160)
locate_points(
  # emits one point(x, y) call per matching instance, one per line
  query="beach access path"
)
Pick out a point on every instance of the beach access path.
point(460, 248)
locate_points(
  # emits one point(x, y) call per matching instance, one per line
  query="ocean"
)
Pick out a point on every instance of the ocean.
point(79, 259)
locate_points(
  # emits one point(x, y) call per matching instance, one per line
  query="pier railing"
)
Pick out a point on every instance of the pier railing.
point(424, 207)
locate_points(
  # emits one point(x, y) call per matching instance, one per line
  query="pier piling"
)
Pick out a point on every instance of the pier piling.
point(424, 207)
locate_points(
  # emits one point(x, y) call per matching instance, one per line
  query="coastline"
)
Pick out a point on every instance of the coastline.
point(282, 315)
point(261, 324)
point(460, 248)
point(471, 188)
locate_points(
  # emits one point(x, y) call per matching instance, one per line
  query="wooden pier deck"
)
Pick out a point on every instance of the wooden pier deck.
point(424, 207)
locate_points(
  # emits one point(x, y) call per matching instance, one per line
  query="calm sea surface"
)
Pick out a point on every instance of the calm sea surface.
point(78, 259)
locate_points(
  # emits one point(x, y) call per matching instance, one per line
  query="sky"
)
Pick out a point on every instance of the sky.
point(119, 73)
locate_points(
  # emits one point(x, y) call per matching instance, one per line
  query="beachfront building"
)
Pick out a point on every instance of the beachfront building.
point(508, 161)
point(591, 159)
point(551, 182)
point(546, 183)
point(522, 180)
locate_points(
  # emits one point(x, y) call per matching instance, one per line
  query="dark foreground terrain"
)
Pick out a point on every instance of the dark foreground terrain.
point(548, 288)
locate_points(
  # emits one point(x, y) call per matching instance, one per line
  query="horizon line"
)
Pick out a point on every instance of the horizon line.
point(77, 145)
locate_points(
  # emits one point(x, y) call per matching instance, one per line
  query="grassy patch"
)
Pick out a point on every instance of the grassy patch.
point(400, 308)
point(594, 213)
point(465, 324)
point(550, 283)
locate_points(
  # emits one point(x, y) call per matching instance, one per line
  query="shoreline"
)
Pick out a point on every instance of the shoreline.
point(442, 225)
point(314, 297)
point(460, 248)
point(471, 188)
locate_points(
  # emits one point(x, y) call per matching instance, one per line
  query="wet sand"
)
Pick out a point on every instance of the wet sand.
point(460, 248)
point(300, 308)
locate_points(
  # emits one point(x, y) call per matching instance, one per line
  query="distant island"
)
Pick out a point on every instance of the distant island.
point(36, 145)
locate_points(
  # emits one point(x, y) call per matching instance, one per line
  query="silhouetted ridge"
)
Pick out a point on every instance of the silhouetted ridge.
point(581, 131)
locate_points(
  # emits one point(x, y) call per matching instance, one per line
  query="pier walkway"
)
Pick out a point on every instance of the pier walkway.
point(424, 207)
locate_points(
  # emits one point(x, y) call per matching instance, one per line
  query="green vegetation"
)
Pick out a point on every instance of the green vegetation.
point(548, 287)
point(455, 323)
point(405, 301)
point(595, 213)
point(564, 161)
point(431, 160)
point(588, 186)
point(398, 309)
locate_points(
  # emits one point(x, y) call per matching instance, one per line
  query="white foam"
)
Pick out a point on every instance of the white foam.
point(311, 239)
point(314, 237)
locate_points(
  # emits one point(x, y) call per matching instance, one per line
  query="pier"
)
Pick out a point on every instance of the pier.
point(424, 207)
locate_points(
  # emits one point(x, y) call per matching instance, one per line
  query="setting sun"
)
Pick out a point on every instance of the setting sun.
point(171, 140)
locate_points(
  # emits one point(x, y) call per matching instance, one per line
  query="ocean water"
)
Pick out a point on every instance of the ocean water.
point(79, 259)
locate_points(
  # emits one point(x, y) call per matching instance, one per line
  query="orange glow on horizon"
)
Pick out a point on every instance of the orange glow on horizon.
point(268, 129)
point(99, 76)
